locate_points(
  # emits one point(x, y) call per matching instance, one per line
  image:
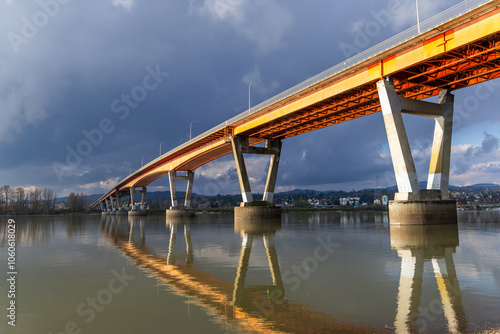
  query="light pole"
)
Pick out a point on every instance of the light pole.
point(418, 19)
point(250, 85)
point(160, 147)
point(190, 126)
point(142, 161)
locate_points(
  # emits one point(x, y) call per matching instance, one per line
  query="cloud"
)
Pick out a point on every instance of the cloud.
point(476, 164)
point(126, 4)
point(264, 23)
point(407, 14)
point(100, 186)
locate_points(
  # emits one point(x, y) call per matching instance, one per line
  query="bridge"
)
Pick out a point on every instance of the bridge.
point(455, 49)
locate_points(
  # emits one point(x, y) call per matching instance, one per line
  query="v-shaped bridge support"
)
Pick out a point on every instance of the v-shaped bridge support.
point(412, 205)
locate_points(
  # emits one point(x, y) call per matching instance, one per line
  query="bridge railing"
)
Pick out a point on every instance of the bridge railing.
point(425, 26)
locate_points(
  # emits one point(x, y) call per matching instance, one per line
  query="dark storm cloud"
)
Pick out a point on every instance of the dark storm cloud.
point(64, 64)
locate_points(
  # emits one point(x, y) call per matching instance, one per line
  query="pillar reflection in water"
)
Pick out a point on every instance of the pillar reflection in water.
point(173, 225)
point(415, 244)
point(251, 230)
point(133, 222)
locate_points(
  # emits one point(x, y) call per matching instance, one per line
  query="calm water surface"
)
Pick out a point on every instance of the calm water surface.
point(311, 273)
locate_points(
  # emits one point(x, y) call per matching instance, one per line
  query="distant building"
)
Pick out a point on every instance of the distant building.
point(349, 201)
point(376, 202)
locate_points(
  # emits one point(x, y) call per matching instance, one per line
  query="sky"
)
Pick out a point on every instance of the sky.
point(117, 80)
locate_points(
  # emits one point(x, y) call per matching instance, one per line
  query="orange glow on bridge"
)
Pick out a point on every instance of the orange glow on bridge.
point(461, 52)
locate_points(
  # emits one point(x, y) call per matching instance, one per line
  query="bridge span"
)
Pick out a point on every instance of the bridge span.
point(456, 49)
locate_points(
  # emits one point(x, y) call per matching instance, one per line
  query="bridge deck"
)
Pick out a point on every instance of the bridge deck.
point(461, 51)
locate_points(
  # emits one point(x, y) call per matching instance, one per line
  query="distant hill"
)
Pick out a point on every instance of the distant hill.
point(181, 194)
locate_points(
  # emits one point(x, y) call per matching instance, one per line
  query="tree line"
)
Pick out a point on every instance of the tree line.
point(33, 200)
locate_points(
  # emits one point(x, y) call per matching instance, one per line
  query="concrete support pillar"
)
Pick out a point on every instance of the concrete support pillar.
point(108, 205)
point(404, 167)
point(143, 198)
point(118, 201)
point(250, 209)
point(412, 205)
point(189, 177)
point(133, 208)
point(189, 188)
point(439, 170)
point(113, 203)
point(173, 193)
point(132, 198)
point(175, 210)
point(273, 169)
point(239, 143)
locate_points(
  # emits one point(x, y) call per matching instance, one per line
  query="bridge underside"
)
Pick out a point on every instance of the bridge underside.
point(459, 53)
point(474, 63)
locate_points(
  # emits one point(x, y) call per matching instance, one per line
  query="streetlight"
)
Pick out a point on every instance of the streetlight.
point(190, 125)
point(160, 147)
point(142, 161)
point(250, 85)
point(418, 19)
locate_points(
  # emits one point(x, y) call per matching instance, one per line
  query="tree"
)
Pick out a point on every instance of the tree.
point(20, 200)
point(6, 191)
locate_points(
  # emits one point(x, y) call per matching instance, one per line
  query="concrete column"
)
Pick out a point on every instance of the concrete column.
point(439, 170)
point(118, 201)
point(402, 160)
point(273, 170)
point(143, 198)
point(189, 189)
point(238, 143)
point(132, 198)
point(108, 208)
point(113, 203)
point(173, 193)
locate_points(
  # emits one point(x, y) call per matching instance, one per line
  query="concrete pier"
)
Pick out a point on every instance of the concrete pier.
point(137, 213)
point(257, 210)
point(411, 204)
point(250, 209)
point(180, 212)
point(177, 211)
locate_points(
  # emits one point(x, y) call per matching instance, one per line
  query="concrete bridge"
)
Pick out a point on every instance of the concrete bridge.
point(456, 49)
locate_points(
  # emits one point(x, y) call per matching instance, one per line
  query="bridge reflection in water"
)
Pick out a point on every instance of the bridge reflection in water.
point(436, 243)
point(264, 308)
point(260, 308)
